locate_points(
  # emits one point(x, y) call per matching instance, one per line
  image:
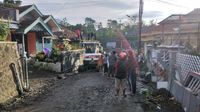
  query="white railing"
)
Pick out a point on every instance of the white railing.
point(187, 63)
point(192, 82)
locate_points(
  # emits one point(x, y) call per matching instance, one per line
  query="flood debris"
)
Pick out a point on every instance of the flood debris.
point(161, 100)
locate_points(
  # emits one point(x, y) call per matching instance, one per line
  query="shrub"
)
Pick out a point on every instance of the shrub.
point(55, 54)
point(4, 30)
point(40, 56)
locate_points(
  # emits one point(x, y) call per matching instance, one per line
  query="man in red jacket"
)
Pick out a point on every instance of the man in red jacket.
point(121, 73)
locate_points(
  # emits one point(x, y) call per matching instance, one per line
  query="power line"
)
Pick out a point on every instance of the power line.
point(170, 3)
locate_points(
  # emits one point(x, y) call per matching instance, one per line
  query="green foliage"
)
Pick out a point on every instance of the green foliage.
point(112, 24)
point(67, 46)
point(64, 22)
point(89, 26)
point(12, 3)
point(40, 56)
point(105, 35)
point(61, 45)
point(90, 29)
point(4, 30)
point(89, 20)
point(55, 54)
point(77, 26)
point(75, 46)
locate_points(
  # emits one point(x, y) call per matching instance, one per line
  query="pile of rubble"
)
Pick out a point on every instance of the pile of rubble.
point(161, 101)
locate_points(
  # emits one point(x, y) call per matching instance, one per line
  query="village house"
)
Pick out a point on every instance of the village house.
point(177, 29)
point(171, 49)
point(29, 26)
point(9, 15)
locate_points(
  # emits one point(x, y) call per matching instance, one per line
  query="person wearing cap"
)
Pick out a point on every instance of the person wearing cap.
point(121, 74)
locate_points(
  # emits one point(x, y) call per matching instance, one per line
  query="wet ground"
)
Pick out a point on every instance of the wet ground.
point(85, 92)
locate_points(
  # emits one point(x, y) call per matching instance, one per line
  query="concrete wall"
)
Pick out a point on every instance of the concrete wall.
point(184, 95)
point(55, 67)
point(8, 55)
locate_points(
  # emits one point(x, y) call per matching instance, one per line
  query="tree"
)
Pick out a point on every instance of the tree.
point(99, 25)
point(12, 3)
point(113, 24)
point(105, 35)
point(89, 21)
point(132, 18)
point(90, 30)
point(64, 22)
point(153, 22)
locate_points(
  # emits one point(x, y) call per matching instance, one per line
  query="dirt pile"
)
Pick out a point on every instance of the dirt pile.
point(162, 101)
point(40, 82)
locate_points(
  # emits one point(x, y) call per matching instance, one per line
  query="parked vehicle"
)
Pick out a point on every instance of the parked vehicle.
point(93, 50)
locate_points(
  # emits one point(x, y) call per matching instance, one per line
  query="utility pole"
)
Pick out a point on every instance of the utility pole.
point(140, 25)
point(198, 38)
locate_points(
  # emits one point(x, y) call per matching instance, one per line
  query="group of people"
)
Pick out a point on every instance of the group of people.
point(123, 66)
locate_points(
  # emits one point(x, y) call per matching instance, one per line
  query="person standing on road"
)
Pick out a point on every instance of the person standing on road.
point(106, 64)
point(100, 63)
point(112, 60)
point(121, 74)
point(133, 71)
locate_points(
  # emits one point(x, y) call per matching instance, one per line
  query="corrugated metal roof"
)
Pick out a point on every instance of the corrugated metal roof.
point(23, 8)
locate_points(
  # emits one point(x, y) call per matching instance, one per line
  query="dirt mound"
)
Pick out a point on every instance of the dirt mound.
point(162, 100)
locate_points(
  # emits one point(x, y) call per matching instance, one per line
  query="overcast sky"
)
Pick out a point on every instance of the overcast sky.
point(76, 10)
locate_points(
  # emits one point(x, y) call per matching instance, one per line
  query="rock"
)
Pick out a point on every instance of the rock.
point(61, 76)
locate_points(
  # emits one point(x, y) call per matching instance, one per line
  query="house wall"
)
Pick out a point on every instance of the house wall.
point(31, 38)
point(185, 38)
point(9, 54)
point(173, 39)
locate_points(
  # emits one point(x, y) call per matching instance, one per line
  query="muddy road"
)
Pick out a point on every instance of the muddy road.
point(86, 92)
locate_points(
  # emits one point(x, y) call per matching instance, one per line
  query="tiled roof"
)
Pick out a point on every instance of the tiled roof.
point(66, 34)
point(24, 24)
point(188, 23)
point(174, 18)
point(158, 29)
point(195, 12)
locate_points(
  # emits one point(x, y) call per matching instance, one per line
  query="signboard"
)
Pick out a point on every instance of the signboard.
point(111, 45)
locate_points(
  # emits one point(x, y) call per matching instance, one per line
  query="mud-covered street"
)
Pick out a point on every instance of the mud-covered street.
point(85, 92)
